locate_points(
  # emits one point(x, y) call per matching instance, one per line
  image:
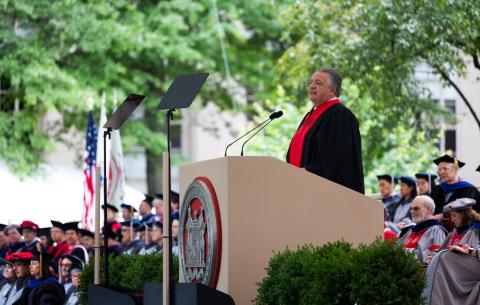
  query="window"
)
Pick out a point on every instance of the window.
point(451, 140)
point(450, 104)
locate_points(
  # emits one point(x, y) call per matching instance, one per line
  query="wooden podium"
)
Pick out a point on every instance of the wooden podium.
point(267, 205)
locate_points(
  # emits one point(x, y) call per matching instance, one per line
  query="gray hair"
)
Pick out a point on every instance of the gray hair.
point(427, 201)
point(335, 80)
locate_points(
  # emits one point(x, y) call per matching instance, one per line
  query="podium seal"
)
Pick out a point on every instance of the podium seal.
point(200, 234)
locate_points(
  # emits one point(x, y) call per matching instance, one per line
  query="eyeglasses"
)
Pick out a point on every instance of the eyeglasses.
point(443, 170)
point(415, 208)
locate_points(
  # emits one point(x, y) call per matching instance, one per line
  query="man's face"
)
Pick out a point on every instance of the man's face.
point(448, 172)
point(111, 215)
point(21, 269)
point(157, 235)
point(175, 225)
point(423, 188)
point(386, 188)
point(71, 236)
point(174, 206)
point(44, 241)
point(144, 208)
point(125, 231)
point(29, 235)
point(319, 89)
point(158, 204)
point(126, 214)
point(76, 276)
point(13, 236)
point(420, 212)
point(65, 266)
point(87, 241)
point(57, 234)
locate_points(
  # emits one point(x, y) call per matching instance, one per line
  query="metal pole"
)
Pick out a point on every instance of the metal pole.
point(106, 134)
point(166, 233)
point(96, 277)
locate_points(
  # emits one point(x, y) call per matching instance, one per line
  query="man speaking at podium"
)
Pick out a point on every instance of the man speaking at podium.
point(327, 142)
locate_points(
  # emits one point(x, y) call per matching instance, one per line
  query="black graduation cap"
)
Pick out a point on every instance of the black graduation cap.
point(128, 207)
point(88, 233)
point(449, 159)
point(148, 199)
point(5, 262)
point(73, 225)
point(110, 207)
point(174, 196)
point(388, 178)
point(144, 226)
point(57, 224)
point(111, 233)
point(77, 254)
point(44, 231)
point(2, 226)
point(426, 176)
point(408, 180)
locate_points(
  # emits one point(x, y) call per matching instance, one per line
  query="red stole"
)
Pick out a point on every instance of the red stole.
point(413, 239)
point(296, 146)
point(456, 238)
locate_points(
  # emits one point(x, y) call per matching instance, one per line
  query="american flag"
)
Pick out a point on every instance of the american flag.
point(90, 160)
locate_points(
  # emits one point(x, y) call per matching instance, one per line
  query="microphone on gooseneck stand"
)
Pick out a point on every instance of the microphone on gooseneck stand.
point(272, 117)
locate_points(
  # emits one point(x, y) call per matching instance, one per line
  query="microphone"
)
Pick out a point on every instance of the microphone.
point(272, 117)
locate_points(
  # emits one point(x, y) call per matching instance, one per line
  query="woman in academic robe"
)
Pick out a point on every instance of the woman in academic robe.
point(425, 183)
point(453, 277)
point(408, 191)
point(42, 289)
point(327, 142)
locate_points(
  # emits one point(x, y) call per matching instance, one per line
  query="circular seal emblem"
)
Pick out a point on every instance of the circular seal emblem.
point(200, 234)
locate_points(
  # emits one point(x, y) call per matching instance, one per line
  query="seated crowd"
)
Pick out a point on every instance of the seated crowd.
point(44, 265)
point(441, 226)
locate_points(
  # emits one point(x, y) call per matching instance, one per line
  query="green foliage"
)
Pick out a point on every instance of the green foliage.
point(56, 55)
point(129, 271)
point(336, 273)
point(384, 274)
point(377, 47)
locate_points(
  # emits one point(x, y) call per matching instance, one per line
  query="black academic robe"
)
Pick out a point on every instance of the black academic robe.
point(332, 148)
point(438, 196)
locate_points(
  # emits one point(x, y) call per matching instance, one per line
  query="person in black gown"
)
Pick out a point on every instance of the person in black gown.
point(452, 187)
point(327, 142)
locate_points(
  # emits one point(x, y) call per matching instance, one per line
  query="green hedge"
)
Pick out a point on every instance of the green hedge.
point(129, 271)
point(377, 274)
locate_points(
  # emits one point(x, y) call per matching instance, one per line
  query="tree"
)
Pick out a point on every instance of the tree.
point(376, 45)
point(55, 55)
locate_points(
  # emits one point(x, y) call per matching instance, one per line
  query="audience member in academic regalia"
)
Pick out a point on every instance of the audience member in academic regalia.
point(408, 191)
point(29, 231)
point(427, 235)
point(174, 202)
point(451, 187)
point(114, 247)
point(175, 228)
point(386, 185)
point(112, 212)
point(425, 183)
point(3, 241)
point(45, 237)
point(130, 244)
point(72, 236)
point(21, 261)
point(42, 289)
point(149, 246)
point(72, 294)
point(87, 240)
point(157, 238)
point(14, 239)
point(8, 281)
point(453, 277)
point(60, 245)
point(77, 256)
point(128, 212)
point(145, 209)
